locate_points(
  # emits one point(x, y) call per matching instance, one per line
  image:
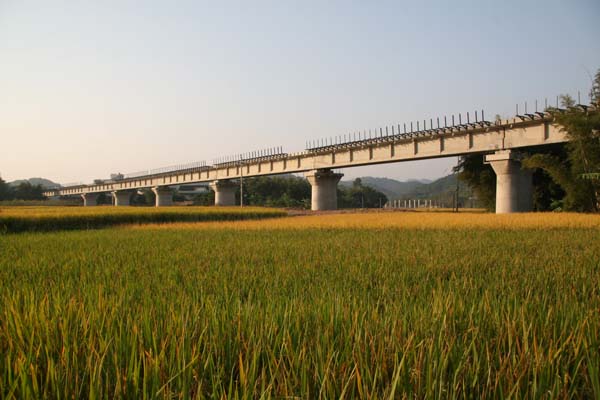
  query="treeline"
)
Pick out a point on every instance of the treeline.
point(272, 191)
point(276, 191)
point(295, 192)
point(565, 176)
point(22, 191)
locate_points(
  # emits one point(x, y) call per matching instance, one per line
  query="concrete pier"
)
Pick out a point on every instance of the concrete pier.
point(122, 197)
point(164, 196)
point(324, 189)
point(224, 192)
point(514, 186)
point(90, 199)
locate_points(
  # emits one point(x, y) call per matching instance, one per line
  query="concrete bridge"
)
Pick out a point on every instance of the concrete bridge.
point(501, 141)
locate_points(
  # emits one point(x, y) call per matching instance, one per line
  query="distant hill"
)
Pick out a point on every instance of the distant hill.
point(441, 190)
point(392, 188)
point(45, 183)
point(439, 186)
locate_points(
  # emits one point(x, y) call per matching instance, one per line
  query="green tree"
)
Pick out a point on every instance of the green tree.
point(205, 199)
point(104, 198)
point(582, 156)
point(177, 197)
point(595, 90)
point(480, 177)
point(5, 191)
point(359, 196)
point(276, 191)
point(560, 171)
point(146, 198)
point(27, 191)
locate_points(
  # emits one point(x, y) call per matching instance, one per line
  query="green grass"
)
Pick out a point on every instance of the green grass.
point(311, 313)
point(24, 219)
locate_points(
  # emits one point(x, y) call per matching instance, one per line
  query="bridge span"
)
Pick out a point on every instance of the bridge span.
point(503, 142)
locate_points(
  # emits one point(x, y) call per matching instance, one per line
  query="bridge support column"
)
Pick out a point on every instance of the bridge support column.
point(324, 189)
point(122, 197)
point(224, 192)
point(514, 186)
point(90, 199)
point(164, 196)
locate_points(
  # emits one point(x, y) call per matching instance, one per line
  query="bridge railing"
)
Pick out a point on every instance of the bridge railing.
point(441, 126)
point(164, 170)
point(397, 132)
point(272, 153)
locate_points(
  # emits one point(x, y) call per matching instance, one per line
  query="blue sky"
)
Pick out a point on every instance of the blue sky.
point(88, 88)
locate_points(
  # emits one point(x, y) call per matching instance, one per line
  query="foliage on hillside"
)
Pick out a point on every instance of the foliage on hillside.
point(360, 196)
point(442, 192)
point(393, 189)
point(44, 183)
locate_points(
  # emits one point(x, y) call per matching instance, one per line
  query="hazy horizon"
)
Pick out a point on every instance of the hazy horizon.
point(91, 89)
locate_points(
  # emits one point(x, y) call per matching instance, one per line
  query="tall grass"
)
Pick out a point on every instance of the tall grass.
point(40, 203)
point(21, 219)
point(309, 313)
point(405, 220)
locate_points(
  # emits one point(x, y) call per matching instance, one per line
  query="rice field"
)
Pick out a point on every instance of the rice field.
point(22, 219)
point(390, 305)
point(401, 220)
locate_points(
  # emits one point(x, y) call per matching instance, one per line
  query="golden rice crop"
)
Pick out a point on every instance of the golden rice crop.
point(401, 220)
point(334, 309)
point(19, 219)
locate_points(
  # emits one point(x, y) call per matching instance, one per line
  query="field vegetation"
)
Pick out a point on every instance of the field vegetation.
point(392, 305)
point(418, 219)
point(20, 219)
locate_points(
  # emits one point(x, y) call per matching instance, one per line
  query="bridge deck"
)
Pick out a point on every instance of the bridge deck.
point(481, 137)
